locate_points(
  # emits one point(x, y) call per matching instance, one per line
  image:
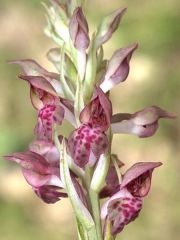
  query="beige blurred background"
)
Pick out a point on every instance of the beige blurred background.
point(154, 80)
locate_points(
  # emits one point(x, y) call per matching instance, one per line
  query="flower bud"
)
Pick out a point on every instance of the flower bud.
point(143, 123)
point(109, 26)
point(78, 29)
point(118, 67)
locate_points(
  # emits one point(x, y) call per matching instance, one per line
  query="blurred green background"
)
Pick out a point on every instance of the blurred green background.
point(154, 80)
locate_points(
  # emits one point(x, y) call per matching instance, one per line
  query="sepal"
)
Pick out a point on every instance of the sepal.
point(80, 210)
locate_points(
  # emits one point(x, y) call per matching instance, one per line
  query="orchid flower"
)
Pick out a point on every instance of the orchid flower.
point(44, 93)
point(143, 123)
point(125, 205)
point(81, 165)
point(40, 172)
point(89, 141)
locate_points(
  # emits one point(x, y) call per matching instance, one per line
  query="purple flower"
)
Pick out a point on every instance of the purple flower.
point(41, 170)
point(118, 67)
point(143, 123)
point(43, 96)
point(125, 205)
point(89, 141)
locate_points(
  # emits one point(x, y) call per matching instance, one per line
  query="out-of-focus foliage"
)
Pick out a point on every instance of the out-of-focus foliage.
point(154, 79)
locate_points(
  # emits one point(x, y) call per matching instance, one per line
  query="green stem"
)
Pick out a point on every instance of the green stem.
point(95, 205)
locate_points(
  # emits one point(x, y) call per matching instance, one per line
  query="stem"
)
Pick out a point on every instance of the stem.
point(94, 199)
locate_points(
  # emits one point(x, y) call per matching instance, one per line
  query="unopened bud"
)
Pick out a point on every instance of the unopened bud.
point(109, 26)
point(78, 29)
point(118, 67)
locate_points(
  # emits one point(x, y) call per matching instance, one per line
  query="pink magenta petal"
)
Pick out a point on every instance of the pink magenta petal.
point(45, 148)
point(49, 194)
point(48, 115)
point(35, 179)
point(137, 179)
point(98, 112)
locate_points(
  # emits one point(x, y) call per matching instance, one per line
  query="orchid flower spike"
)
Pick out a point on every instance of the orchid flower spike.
point(71, 155)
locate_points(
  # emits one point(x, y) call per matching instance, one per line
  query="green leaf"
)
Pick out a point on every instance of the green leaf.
point(80, 210)
point(82, 233)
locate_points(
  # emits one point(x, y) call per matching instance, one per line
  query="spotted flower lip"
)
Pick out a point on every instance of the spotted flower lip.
point(120, 210)
point(48, 115)
point(86, 144)
point(143, 123)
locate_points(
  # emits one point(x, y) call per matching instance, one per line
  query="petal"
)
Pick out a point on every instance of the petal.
point(30, 161)
point(80, 191)
point(143, 123)
point(98, 112)
point(40, 83)
point(34, 178)
point(68, 111)
point(32, 68)
point(137, 179)
point(150, 115)
point(118, 67)
point(85, 140)
point(46, 149)
point(49, 194)
point(121, 209)
point(48, 115)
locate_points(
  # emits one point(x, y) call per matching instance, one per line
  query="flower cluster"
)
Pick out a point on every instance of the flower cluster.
point(81, 165)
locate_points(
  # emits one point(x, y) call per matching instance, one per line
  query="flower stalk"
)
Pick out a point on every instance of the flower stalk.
point(81, 165)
